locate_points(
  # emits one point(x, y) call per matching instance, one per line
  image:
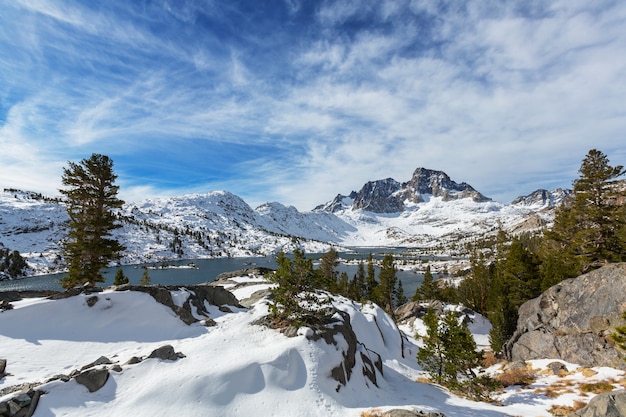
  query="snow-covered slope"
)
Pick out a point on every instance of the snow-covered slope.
point(234, 368)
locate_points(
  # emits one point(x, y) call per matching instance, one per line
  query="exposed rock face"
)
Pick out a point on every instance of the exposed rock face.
point(198, 294)
point(93, 379)
point(573, 321)
point(543, 197)
point(609, 404)
point(380, 197)
point(438, 184)
point(389, 195)
point(371, 362)
point(254, 271)
point(166, 352)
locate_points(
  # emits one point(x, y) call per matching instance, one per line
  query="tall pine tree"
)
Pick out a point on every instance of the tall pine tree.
point(589, 231)
point(90, 198)
point(384, 294)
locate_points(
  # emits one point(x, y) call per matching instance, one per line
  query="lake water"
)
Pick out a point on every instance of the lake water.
point(207, 270)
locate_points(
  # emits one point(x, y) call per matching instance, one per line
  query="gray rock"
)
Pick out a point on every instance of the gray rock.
point(557, 367)
point(91, 301)
point(93, 379)
point(342, 372)
point(255, 297)
point(573, 321)
point(257, 270)
point(166, 352)
point(609, 404)
point(102, 360)
point(216, 296)
point(134, 360)
point(3, 367)
point(33, 403)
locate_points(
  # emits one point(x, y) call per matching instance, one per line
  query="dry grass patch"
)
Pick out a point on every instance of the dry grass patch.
point(489, 359)
point(588, 372)
point(598, 387)
point(517, 376)
point(424, 380)
point(564, 410)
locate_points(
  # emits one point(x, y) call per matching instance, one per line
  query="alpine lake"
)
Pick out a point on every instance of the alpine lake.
point(195, 271)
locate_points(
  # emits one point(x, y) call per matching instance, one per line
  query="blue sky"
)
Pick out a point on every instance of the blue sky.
point(297, 101)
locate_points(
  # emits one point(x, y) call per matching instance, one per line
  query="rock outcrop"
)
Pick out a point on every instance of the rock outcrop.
point(609, 404)
point(574, 320)
point(194, 307)
point(370, 361)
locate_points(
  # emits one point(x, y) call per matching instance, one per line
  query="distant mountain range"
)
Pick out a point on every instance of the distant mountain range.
point(428, 210)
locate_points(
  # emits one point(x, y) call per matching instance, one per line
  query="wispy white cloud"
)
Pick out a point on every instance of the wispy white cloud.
point(309, 101)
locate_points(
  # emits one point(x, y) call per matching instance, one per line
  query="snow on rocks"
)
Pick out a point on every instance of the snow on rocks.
point(235, 368)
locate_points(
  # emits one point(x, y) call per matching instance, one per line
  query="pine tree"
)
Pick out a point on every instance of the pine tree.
point(370, 279)
point(428, 290)
point(384, 292)
point(145, 278)
point(476, 289)
point(120, 278)
point(399, 294)
point(432, 356)
point(327, 270)
point(503, 320)
point(343, 286)
point(295, 301)
point(360, 289)
point(588, 232)
point(449, 350)
point(90, 197)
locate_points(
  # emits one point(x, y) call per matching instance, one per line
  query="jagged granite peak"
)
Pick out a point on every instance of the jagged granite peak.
point(340, 202)
point(380, 197)
point(389, 195)
point(438, 184)
point(542, 197)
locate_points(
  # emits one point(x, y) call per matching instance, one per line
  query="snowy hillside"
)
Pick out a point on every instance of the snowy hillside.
point(232, 366)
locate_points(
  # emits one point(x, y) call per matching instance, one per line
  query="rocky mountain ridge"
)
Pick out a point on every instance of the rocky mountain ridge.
point(428, 210)
point(391, 196)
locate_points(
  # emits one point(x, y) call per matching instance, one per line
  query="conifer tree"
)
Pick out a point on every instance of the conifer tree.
point(432, 356)
point(399, 294)
point(327, 270)
point(589, 231)
point(90, 197)
point(295, 300)
point(120, 278)
point(449, 350)
point(386, 289)
point(428, 290)
point(503, 320)
point(370, 279)
point(343, 286)
point(360, 289)
point(145, 277)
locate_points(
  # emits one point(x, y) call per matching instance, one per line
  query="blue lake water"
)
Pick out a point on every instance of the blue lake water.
point(207, 270)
